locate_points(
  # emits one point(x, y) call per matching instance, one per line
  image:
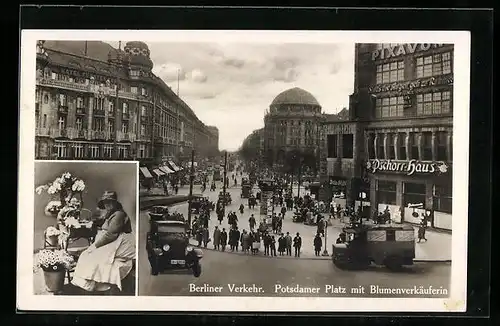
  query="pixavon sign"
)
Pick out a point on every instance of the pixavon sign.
point(408, 167)
point(402, 49)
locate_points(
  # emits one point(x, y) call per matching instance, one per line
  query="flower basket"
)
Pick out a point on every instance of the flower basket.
point(54, 264)
point(54, 280)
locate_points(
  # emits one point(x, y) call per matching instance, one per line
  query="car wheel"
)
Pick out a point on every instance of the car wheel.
point(197, 270)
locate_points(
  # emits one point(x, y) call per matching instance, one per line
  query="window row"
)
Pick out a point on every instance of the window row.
point(347, 143)
point(389, 107)
point(425, 66)
point(403, 146)
point(79, 150)
point(427, 104)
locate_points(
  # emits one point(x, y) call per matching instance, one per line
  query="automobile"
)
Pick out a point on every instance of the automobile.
point(197, 201)
point(246, 190)
point(157, 212)
point(225, 198)
point(360, 245)
point(168, 248)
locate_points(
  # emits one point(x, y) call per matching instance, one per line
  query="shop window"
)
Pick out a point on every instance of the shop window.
point(61, 150)
point(442, 198)
point(380, 147)
point(427, 146)
point(347, 145)
point(413, 193)
point(390, 147)
point(413, 143)
point(402, 146)
point(78, 150)
point(94, 151)
point(386, 192)
point(371, 146)
point(331, 141)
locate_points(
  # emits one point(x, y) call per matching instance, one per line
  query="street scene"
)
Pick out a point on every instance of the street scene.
point(432, 267)
point(264, 169)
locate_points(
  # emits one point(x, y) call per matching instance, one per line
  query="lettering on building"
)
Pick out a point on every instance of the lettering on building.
point(402, 49)
point(338, 182)
point(410, 86)
point(340, 128)
point(408, 167)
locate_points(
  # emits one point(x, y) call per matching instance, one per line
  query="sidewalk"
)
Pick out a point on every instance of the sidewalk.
point(437, 248)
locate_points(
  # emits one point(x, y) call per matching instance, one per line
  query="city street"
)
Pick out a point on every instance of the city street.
point(222, 268)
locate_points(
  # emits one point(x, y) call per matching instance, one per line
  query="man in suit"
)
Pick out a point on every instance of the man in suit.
point(297, 244)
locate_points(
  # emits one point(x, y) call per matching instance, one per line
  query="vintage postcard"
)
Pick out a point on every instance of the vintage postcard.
point(243, 171)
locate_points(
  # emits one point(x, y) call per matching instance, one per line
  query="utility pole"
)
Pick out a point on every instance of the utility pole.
point(115, 142)
point(299, 177)
point(224, 185)
point(191, 181)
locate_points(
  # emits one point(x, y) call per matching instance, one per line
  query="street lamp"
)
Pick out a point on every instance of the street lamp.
point(325, 252)
point(362, 196)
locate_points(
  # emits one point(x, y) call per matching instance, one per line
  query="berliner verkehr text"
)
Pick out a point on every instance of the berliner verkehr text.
point(232, 288)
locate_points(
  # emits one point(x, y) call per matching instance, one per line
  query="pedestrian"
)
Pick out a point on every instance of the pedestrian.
point(206, 237)
point(245, 241)
point(256, 238)
point(283, 211)
point(176, 189)
point(321, 225)
point(242, 208)
point(216, 237)
point(252, 222)
point(341, 238)
point(421, 231)
point(297, 243)
point(288, 242)
point(267, 243)
point(165, 187)
point(317, 243)
point(281, 244)
point(223, 239)
point(273, 246)
point(199, 236)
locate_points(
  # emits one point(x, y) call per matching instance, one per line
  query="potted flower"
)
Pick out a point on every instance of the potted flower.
point(65, 188)
point(54, 264)
point(52, 236)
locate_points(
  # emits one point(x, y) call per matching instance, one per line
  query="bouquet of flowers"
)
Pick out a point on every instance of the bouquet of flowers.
point(53, 260)
point(52, 232)
point(66, 187)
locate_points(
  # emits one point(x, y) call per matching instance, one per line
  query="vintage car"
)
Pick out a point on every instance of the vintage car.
point(168, 248)
point(197, 201)
point(363, 244)
point(226, 198)
point(246, 190)
point(157, 212)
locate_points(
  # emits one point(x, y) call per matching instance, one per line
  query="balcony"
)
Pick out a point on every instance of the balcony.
point(42, 132)
point(81, 111)
point(59, 133)
point(144, 118)
point(80, 134)
point(63, 84)
point(125, 136)
point(125, 115)
point(111, 114)
point(63, 109)
point(98, 135)
point(144, 138)
point(99, 113)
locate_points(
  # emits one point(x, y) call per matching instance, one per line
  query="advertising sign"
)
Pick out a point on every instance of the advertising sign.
point(407, 167)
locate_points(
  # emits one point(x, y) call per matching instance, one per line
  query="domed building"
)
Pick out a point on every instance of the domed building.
point(292, 129)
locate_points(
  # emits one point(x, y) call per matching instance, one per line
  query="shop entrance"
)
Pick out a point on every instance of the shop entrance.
point(338, 187)
point(386, 199)
point(413, 201)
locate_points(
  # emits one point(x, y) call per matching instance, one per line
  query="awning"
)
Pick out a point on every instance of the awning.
point(145, 172)
point(158, 172)
point(175, 167)
point(165, 169)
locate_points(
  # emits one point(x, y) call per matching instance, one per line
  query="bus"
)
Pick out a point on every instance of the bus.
point(217, 175)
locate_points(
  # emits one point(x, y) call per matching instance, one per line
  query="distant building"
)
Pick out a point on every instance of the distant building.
point(396, 146)
point(95, 109)
point(292, 125)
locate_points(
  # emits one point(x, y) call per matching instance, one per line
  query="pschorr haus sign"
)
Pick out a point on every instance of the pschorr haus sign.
point(407, 167)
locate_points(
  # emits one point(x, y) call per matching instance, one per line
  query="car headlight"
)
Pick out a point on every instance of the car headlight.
point(188, 249)
point(166, 247)
point(158, 251)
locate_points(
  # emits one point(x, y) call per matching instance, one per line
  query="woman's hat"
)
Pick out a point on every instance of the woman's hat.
point(107, 196)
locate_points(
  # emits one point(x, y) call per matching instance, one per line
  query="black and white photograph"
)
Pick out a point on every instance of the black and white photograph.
point(288, 165)
point(85, 227)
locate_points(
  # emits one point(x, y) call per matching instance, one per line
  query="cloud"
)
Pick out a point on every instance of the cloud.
point(197, 76)
point(234, 62)
point(169, 72)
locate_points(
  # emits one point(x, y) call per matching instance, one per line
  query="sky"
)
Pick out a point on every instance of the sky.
point(231, 85)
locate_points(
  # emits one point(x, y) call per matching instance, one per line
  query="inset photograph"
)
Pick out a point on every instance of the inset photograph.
point(85, 228)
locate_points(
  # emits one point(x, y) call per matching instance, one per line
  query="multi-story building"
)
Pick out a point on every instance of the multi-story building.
point(87, 108)
point(400, 133)
point(292, 125)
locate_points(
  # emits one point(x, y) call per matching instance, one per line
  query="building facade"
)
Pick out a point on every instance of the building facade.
point(292, 125)
point(89, 109)
point(401, 122)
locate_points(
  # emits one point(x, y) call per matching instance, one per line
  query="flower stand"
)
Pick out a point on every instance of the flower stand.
point(54, 280)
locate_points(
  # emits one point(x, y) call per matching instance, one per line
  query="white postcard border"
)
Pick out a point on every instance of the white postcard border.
point(26, 300)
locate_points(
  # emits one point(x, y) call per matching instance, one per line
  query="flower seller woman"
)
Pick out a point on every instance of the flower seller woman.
point(110, 258)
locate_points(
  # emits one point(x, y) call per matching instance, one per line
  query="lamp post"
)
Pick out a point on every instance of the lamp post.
point(224, 185)
point(325, 251)
point(362, 196)
point(191, 181)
